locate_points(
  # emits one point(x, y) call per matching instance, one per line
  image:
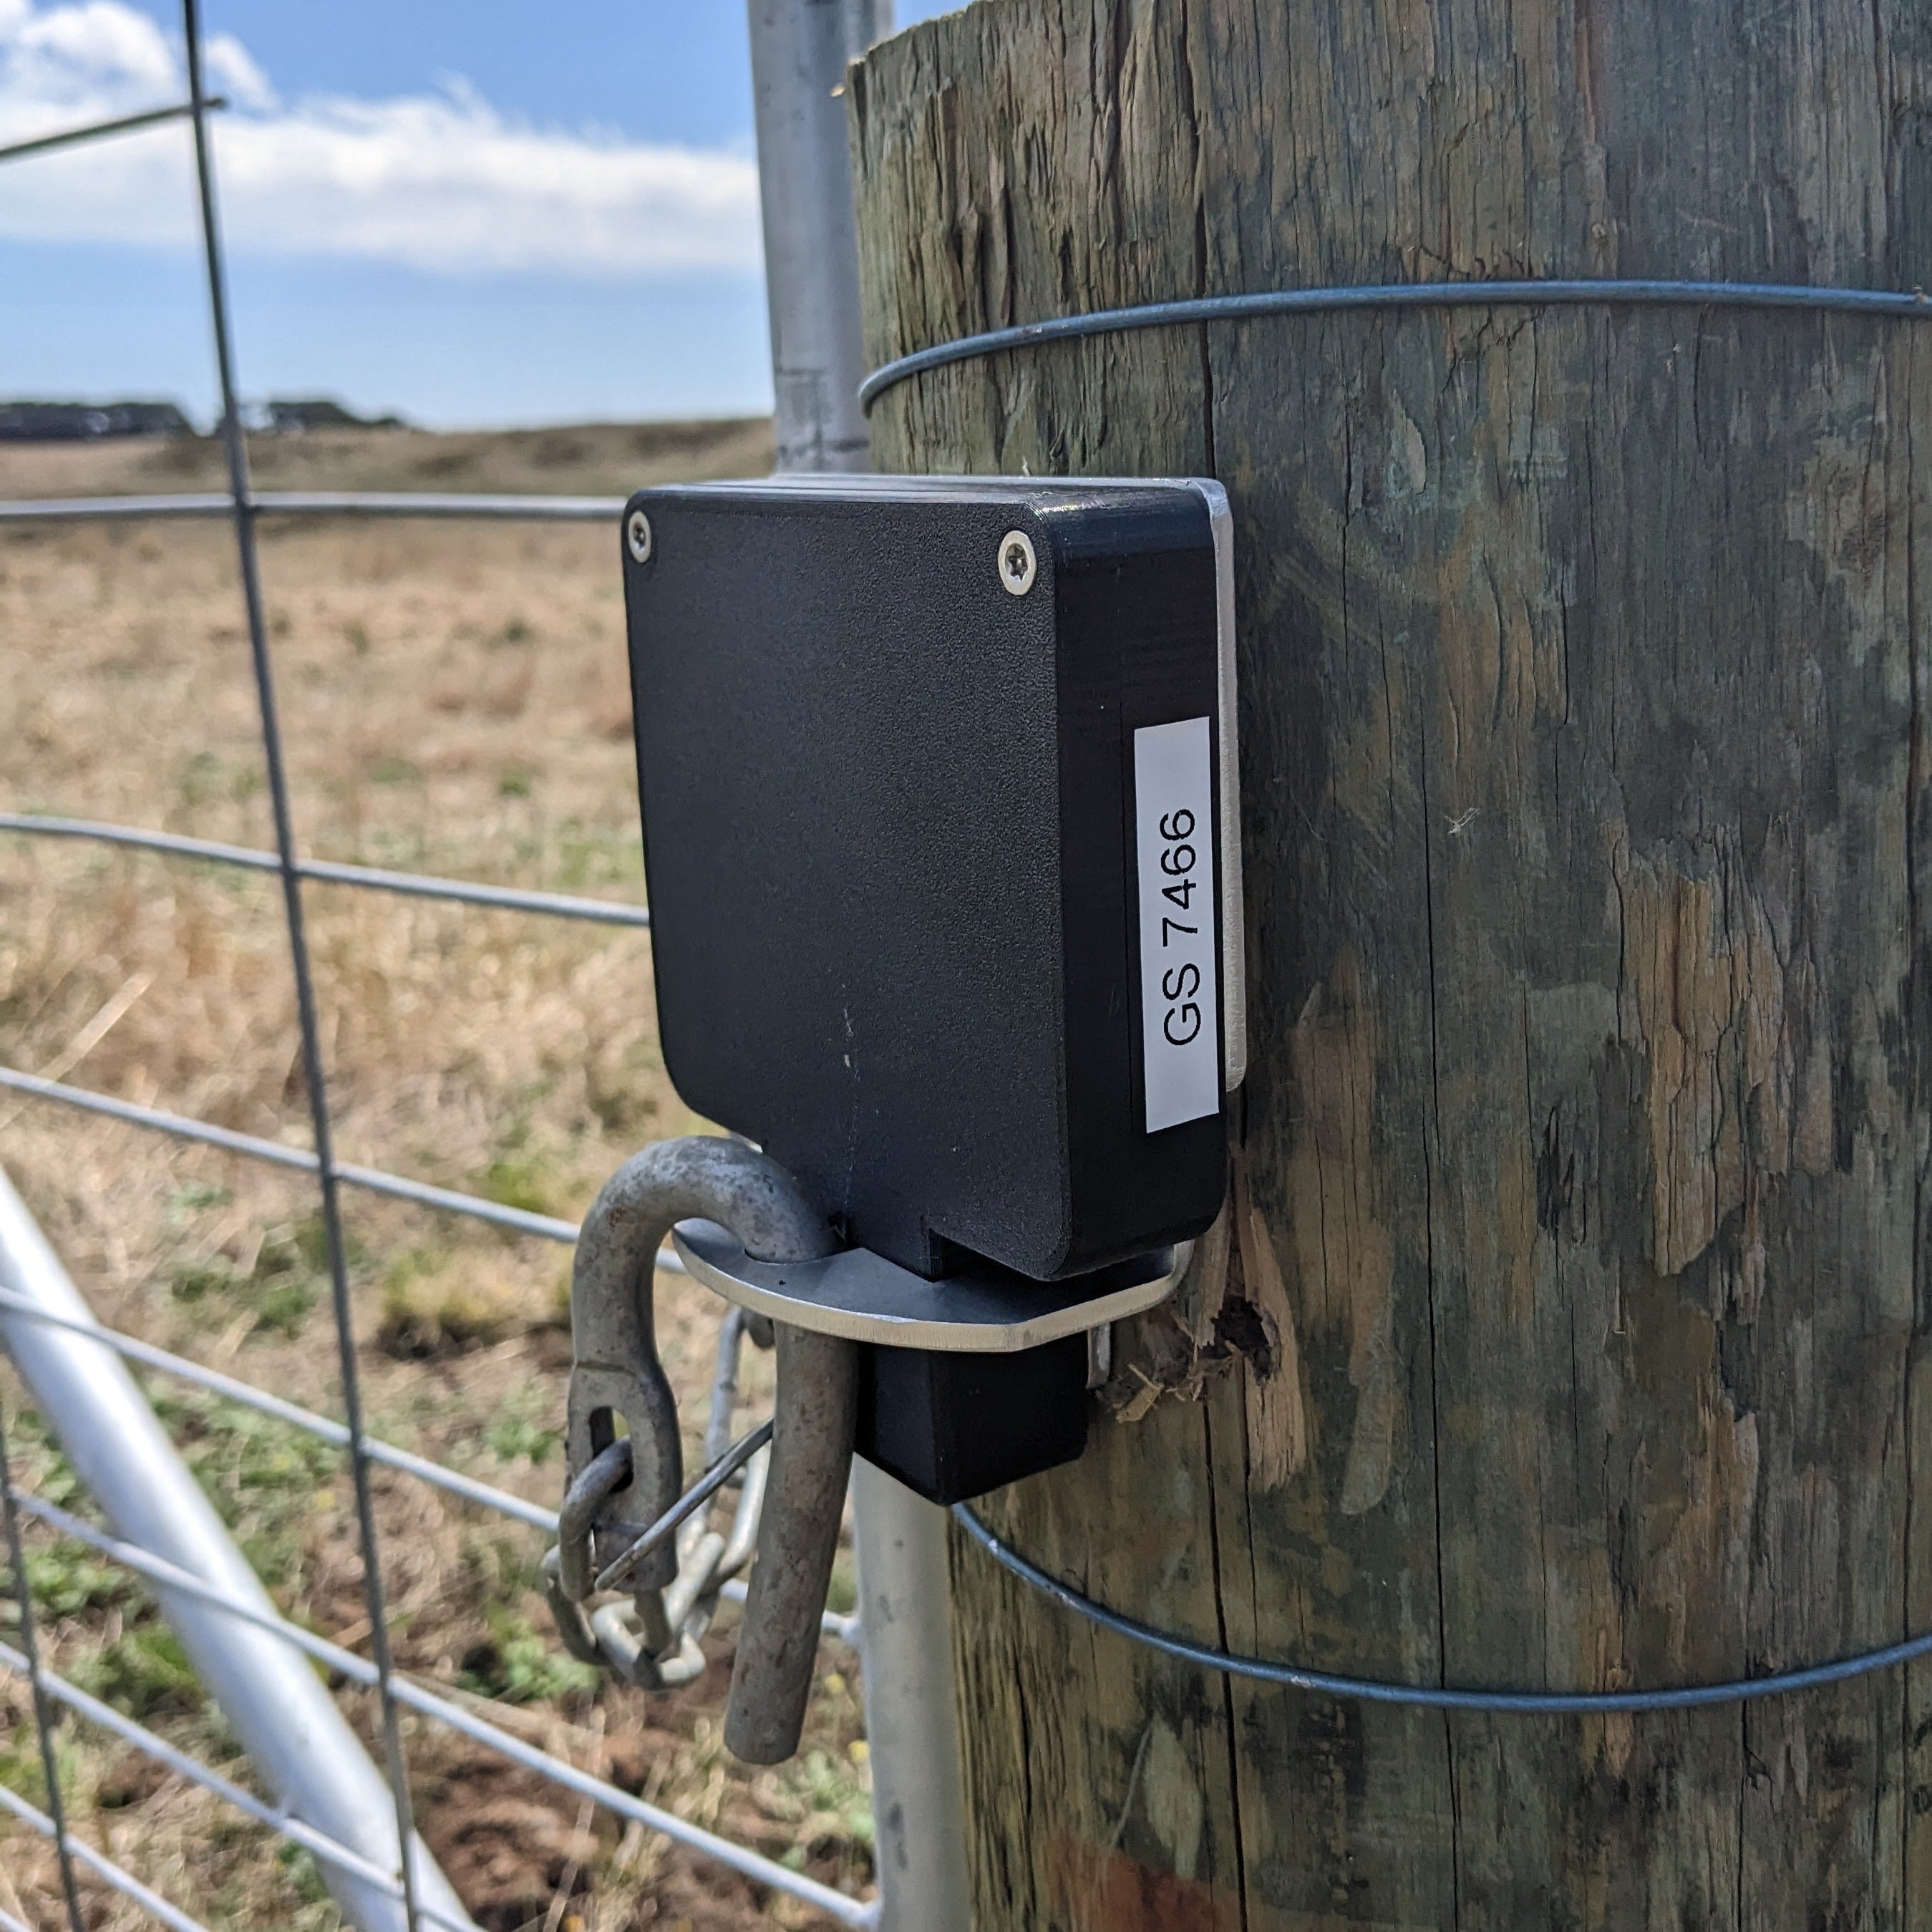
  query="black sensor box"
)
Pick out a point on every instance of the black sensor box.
point(933, 794)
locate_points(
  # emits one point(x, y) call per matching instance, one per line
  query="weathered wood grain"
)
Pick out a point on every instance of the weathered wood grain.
point(1570, 1328)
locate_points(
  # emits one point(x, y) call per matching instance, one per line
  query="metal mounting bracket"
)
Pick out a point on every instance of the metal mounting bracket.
point(985, 1309)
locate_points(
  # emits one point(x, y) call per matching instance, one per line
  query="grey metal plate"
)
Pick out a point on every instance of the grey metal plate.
point(864, 1298)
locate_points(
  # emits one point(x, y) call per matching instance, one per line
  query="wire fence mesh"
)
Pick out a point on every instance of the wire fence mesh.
point(393, 1692)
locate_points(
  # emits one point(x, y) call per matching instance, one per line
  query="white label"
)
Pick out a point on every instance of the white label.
point(1173, 831)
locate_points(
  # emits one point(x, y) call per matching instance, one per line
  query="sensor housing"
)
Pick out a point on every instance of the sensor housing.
point(937, 784)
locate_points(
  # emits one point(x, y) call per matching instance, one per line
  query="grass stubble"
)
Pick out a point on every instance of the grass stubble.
point(455, 701)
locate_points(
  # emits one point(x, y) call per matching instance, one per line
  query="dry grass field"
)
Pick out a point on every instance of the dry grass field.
point(455, 702)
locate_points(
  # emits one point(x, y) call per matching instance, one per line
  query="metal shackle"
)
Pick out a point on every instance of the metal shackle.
point(616, 1372)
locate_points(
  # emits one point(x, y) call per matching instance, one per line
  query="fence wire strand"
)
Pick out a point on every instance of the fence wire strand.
point(314, 1075)
point(278, 1153)
point(203, 504)
point(103, 1867)
point(518, 1509)
point(444, 1711)
point(23, 1595)
point(232, 1389)
point(151, 1744)
point(98, 130)
point(330, 871)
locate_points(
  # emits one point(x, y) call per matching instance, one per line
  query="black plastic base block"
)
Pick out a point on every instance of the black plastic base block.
point(953, 1427)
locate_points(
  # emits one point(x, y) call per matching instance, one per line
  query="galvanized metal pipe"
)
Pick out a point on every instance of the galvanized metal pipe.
point(912, 1722)
point(518, 1509)
point(286, 1722)
point(800, 50)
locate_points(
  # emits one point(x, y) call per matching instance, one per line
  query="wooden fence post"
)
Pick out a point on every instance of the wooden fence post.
point(1569, 1326)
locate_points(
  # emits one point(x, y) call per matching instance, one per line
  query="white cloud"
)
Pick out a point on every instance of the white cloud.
point(232, 68)
point(441, 180)
point(98, 55)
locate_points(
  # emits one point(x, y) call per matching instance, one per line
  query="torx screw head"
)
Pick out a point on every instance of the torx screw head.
point(1018, 565)
point(637, 535)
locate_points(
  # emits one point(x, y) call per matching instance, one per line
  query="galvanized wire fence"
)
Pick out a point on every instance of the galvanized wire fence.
point(394, 1692)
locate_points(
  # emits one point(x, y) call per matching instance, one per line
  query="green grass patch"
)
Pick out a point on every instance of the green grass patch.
point(305, 1879)
point(525, 1182)
point(39, 1463)
point(841, 1592)
point(437, 1302)
point(262, 1476)
point(143, 1672)
point(290, 1275)
point(20, 1767)
point(517, 1666)
point(514, 1437)
point(595, 856)
point(68, 1581)
point(193, 1198)
point(836, 1800)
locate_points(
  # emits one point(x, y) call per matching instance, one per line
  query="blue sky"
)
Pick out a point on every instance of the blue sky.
point(474, 213)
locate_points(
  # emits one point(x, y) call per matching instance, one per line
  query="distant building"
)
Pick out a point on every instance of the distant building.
point(86, 422)
point(285, 415)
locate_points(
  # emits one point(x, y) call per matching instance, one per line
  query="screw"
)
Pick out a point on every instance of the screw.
point(1018, 565)
point(637, 535)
